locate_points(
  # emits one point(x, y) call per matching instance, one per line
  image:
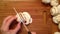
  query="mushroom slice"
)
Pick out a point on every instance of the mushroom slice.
point(27, 17)
point(24, 17)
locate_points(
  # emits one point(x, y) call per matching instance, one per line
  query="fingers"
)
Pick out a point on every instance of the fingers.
point(10, 21)
point(17, 28)
point(3, 27)
point(33, 32)
point(6, 19)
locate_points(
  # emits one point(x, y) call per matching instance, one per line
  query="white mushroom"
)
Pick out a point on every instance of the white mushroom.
point(56, 19)
point(26, 17)
point(46, 1)
point(59, 26)
point(58, 7)
point(57, 33)
point(54, 2)
point(54, 11)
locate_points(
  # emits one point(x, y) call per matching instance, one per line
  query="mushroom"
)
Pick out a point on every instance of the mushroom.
point(46, 1)
point(26, 17)
point(58, 7)
point(59, 26)
point(54, 11)
point(56, 19)
point(54, 2)
point(57, 33)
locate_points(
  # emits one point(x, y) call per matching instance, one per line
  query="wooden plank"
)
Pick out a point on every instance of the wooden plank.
point(42, 22)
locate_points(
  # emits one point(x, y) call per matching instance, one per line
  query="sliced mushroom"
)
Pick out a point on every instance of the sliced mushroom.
point(25, 17)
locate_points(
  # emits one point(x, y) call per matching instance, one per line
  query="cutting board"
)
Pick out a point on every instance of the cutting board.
point(40, 13)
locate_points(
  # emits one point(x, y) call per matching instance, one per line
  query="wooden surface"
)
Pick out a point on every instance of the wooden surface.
point(42, 20)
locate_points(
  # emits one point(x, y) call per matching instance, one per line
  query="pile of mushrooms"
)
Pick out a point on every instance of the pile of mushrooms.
point(55, 11)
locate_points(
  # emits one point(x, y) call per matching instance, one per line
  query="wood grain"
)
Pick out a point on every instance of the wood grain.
point(42, 20)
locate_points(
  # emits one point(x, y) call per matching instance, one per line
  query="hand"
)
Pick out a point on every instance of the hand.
point(6, 23)
point(33, 32)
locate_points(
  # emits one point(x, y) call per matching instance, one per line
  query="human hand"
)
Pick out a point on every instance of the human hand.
point(6, 23)
point(33, 32)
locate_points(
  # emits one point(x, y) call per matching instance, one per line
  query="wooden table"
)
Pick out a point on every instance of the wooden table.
point(42, 20)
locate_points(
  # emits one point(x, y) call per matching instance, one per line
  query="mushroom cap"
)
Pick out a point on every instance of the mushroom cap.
point(59, 26)
point(58, 7)
point(56, 19)
point(46, 1)
point(54, 3)
point(57, 33)
point(54, 11)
